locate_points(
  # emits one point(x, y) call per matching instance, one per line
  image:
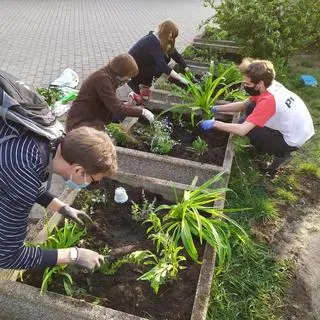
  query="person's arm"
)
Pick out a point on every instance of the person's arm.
point(236, 128)
point(108, 95)
point(231, 107)
point(177, 57)
point(22, 188)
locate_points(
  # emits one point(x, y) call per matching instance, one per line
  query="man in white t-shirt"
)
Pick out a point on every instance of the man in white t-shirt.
point(277, 120)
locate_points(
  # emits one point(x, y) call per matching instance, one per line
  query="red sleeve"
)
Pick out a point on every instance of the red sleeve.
point(253, 98)
point(264, 110)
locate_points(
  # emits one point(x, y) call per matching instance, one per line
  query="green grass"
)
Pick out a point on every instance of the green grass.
point(254, 285)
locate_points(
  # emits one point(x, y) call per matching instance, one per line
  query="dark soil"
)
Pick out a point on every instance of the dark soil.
point(114, 226)
point(184, 136)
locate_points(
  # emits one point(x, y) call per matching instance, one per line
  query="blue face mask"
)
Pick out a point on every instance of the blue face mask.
point(72, 185)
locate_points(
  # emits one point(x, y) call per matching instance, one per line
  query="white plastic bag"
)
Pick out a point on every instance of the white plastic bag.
point(68, 78)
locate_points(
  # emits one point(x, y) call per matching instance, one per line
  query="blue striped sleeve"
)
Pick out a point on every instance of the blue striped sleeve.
point(19, 186)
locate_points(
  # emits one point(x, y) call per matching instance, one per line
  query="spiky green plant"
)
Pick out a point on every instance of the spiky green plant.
point(65, 237)
point(196, 215)
point(205, 95)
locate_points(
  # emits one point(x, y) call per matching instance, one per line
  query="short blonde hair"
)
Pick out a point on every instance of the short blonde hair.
point(165, 29)
point(124, 65)
point(91, 149)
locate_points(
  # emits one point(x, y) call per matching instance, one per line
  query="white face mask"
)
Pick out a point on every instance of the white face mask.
point(122, 81)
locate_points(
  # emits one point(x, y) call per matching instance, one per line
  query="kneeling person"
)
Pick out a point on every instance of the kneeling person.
point(278, 121)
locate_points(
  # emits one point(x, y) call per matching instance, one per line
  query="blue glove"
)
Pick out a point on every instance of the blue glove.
point(214, 109)
point(207, 124)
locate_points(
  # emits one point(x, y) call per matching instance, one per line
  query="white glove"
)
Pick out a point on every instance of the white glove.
point(148, 115)
point(88, 259)
point(183, 80)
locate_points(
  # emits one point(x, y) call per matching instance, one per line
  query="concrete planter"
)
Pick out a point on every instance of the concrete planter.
point(228, 46)
point(165, 171)
point(155, 173)
point(19, 301)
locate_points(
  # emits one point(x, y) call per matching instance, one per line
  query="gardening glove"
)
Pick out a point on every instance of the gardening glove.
point(214, 109)
point(88, 259)
point(148, 115)
point(194, 79)
point(75, 215)
point(183, 80)
point(207, 124)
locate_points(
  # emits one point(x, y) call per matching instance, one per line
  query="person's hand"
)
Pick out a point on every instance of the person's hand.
point(214, 109)
point(183, 80)
point(88, 259)
point(75, 215)
point(194, 79)
point(207, 124)
point(148, 115)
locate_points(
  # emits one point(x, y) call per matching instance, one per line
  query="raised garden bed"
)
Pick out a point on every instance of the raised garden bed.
point(185, 298)
point(183, 135)
point(113, 225)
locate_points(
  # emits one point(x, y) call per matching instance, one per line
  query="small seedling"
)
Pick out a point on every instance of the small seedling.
point(161, 142)
point(199, 146)
point(141, 212)
point(121, 136)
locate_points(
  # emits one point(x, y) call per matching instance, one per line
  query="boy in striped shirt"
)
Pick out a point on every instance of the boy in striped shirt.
point(83, 156)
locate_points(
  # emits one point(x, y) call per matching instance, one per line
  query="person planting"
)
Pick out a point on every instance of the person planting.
point(97, 103)
point(84, 155)
point(152, 54)
point(277, 121)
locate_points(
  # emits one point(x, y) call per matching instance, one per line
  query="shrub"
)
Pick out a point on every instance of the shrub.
point(270, 29)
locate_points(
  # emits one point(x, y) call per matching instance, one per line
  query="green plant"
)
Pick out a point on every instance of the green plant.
point(199, 146)
point(232, 76)
point(141, 212)
point(277, 28)
point(165, 265)
point(309, 169)
point(199, 54)
point(215, 33)
point(51, 95)
point(121, 136)
point(87, 199)
point(163, 84)
point(206, 95)
point(196, 215)
point(287, 196)
point(161, 142)
point(65, 237)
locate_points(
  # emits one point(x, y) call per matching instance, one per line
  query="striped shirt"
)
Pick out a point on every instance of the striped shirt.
point(22, 171)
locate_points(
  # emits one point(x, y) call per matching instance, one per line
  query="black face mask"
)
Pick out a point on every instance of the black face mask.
point(251, 90)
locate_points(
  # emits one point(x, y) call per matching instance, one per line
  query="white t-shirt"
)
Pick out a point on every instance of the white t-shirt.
point(280, 109)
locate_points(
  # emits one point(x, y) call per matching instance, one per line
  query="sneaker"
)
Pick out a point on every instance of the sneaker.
point(279, 162)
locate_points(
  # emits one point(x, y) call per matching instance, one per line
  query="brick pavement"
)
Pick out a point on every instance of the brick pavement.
point(42, 37)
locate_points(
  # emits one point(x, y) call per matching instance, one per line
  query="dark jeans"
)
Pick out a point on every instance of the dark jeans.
point(145, 76)
point(265, 139)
